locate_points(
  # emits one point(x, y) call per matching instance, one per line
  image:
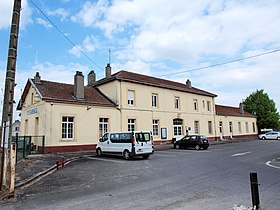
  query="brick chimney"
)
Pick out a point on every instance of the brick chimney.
point(241, 108)
point(108, 71)
point(37, 78)
point(79, 92)
point(91, 78)
point(188, 83)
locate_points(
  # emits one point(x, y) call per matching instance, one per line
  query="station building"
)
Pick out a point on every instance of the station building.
point(72, 117)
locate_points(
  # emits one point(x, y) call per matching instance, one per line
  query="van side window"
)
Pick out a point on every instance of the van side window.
point(115, 138)
point(125, 137)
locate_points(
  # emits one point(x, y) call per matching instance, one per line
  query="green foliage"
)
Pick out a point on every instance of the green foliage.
point(264, 108)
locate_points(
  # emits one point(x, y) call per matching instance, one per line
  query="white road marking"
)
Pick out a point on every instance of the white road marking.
point(268, 164)
point(240, 154)
point(108, 160)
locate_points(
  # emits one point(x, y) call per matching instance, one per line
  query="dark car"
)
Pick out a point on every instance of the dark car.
point(192, 141)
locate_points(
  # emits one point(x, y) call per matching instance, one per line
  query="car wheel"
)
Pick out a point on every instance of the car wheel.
point(263, 138)
point(99, 152)
point(177, 146)
point(278, 138)
point(145, 157)
point(197, 147)
point(126, 154)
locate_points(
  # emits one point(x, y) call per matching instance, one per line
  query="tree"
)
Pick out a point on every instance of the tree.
point(259, 104)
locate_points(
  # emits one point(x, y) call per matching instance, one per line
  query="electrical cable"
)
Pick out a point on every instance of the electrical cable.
point(221, 64)
point(69, 40)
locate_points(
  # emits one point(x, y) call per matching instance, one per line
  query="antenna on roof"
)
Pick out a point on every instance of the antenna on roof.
point(109, 56)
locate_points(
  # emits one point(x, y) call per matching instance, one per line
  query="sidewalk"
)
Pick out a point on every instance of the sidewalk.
point(37, 166)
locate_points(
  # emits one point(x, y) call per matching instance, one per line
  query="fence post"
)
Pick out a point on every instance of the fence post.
point(16, 146)
point(24, 145)
point(255, 191)
point(43, 145)
point(13, 168)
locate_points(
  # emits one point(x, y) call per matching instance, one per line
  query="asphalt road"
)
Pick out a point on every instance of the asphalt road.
point(217, 178)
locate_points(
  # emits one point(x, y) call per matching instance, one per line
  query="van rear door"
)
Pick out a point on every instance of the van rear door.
point(143, 142)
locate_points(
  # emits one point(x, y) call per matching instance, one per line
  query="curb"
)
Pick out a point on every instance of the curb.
point(42, 174)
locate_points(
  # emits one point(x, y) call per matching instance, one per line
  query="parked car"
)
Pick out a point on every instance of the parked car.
point(270, 135)
point(127, 144)
point(194, 141)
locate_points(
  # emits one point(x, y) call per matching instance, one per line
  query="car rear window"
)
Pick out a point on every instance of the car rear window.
point(143, 137)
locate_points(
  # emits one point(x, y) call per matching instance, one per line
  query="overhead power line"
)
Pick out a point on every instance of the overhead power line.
point(221, 64)
point(68, 39)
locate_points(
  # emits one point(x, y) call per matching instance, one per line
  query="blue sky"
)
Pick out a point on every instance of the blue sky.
point(155, 37)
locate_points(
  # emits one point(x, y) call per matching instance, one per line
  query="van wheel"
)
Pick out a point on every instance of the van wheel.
point(99, 152)
point(177, 146)
point(145, 157)
point(126, 154)
point(197, 147)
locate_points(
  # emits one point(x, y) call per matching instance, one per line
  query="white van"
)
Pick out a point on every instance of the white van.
point(127, 144)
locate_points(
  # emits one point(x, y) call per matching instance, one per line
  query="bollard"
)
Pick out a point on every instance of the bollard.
point(255, 191)
point(60, 163)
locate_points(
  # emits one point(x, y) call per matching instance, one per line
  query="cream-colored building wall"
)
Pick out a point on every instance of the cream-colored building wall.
point(86, 123)
point(166, 99)
point(45, 118)
point(111, 90)
point(33, 115)
point(235, 127)
point(144, 114)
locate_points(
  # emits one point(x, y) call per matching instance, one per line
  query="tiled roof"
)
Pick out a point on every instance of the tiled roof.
point(54, 91)
point(153, 81)
point(231, 111)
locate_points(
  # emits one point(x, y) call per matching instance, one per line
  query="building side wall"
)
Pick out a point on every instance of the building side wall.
point(239, 127)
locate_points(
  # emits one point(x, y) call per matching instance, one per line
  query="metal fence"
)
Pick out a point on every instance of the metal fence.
point(27, 145)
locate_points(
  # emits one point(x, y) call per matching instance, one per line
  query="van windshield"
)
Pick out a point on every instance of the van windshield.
point(143, 137)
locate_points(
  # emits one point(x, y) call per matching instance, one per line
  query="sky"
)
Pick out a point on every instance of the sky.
point(161, 38)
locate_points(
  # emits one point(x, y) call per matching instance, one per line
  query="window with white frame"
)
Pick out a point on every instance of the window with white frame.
point(254, 127)
point(178, 127)
point(131, 124)
point(210, 127)
point(195, 105)
point(208, 106)
point(67, 128)
point(239, 127)
point(221, 127)
point(177, 102)
point(155, 127)
point(154, 100)
point(230, 127)
point(196, 127)
point(130, 97)
point(103, 126)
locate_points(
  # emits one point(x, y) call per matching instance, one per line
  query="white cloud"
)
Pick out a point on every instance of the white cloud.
point(90, 43)
point(161, 29)
point(90, 13)
point(6, 10)
point(62, 13)
point(44, 23)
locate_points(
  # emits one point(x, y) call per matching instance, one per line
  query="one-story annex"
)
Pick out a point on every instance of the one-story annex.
point(74, 117)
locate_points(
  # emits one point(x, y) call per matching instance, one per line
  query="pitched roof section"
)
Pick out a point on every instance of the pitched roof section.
point(153, 81)
point(231, 111)
point(54, 91)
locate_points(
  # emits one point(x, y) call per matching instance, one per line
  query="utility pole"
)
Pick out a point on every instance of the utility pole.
point(7, 115)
